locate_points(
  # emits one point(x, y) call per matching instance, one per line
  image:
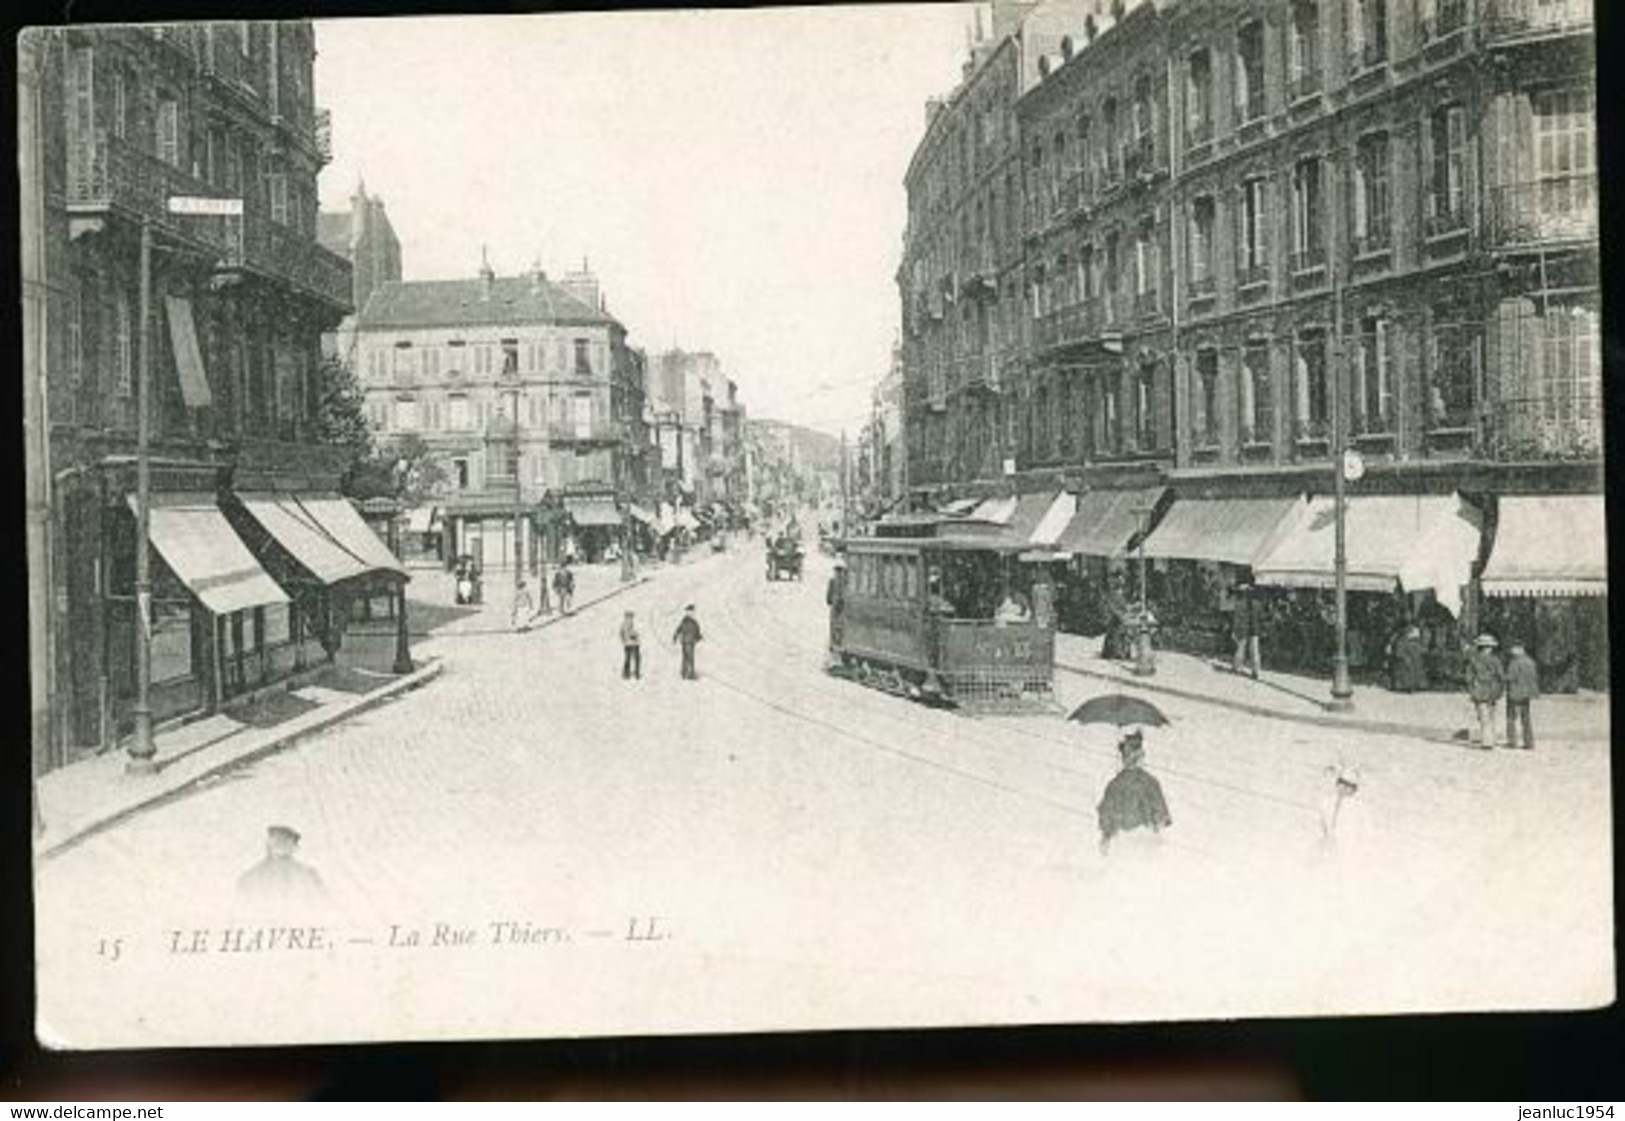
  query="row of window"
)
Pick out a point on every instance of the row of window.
point(883, 577)
point(582, 358)
point(230, 161)
point(460, 414)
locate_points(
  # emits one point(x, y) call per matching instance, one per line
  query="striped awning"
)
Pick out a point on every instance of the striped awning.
point(1107, 520)
point(1225, 530)
point(1411, 542)
point(323, 533)
point(198, 544)
point(422, 519)
point(1552, 545)
point(592, 511)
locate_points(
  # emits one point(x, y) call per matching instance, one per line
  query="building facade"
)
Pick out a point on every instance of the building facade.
point(123, 120)
point(521, 387)
point(1254, 233)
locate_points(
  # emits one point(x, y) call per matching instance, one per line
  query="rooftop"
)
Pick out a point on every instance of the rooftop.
point(511, 300)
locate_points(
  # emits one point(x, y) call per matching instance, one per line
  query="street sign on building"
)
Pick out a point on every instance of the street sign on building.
point(193, 204)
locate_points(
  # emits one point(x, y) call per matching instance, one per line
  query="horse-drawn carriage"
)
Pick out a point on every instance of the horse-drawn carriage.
point(784, 558)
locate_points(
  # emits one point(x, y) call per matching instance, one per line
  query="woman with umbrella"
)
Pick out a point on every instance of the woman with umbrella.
point(1133, 798)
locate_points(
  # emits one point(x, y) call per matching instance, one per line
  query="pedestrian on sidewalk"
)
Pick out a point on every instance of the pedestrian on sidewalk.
point(1407, 669)
point(631, 648)
point(1485, 684)
point(1523, 686)
point(688, 636)
point(524, 607)
point(564, 586)
point(1244, 631)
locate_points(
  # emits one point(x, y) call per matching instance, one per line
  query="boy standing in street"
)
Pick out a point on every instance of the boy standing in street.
point(1485, 684)
point(1523, 686)
point(632, 651)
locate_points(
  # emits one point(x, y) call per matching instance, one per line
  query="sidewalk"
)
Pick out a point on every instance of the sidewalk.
point(1282, 696)
point(85, 797)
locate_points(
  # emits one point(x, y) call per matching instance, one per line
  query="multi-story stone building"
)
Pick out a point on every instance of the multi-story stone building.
point(522, 387)
point(122, 121)
point(1259, 232)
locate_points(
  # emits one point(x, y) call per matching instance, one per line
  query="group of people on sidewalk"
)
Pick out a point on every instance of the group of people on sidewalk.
point(525, 608)
point(687, 636)
point(1489, 681)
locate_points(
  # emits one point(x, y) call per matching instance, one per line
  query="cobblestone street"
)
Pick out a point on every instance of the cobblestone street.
point(772, 838)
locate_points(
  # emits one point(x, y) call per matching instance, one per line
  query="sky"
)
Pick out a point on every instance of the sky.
point(735, 178)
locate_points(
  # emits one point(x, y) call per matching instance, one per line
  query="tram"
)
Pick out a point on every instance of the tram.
point(928, 608)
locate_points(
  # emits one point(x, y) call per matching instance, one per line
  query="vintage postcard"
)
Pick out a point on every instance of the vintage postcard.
point(1042, 511)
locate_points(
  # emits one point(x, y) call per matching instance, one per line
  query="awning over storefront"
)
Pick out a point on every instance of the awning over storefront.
point(683, 518)
point(342, 522)
point(642, 515)
point(587, 512)
point(1106, 520)
point(960, 508)
point(423, 519)
point(323, 533)
point(1226, 530)
point(997, 510)
point(200, 547)
point(1553, 545)
point(1408, 542)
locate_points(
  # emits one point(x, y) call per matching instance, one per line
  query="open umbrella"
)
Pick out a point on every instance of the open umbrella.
point(1120, 710)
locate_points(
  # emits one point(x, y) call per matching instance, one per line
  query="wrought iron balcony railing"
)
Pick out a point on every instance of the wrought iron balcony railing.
point(1305, 83)
point(1562, 208)
point(1447, 18)
point(1527, 19)
point(1551, 428)
point(108, 175)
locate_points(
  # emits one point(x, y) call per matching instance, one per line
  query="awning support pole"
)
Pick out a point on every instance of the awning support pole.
point(1342, 691)
point(143, 752)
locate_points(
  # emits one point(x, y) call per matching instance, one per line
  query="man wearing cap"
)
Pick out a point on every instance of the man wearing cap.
point(1523, 686)
point(1485, 684)
point(688, 636)
point(281, 877)
point(835, 599)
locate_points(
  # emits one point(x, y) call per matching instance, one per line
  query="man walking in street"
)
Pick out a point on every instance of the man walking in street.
point(1523, 686)
point(564, 585)
point(632, 651)
point(1485, 685)
point(688, 636)
point(1244, 631)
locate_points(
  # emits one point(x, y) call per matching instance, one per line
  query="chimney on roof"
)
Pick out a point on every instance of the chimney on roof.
point(488, 276)
point(583, 285)
point(537, 276)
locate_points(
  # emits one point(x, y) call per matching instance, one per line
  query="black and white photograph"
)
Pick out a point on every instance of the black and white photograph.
point(693, 522)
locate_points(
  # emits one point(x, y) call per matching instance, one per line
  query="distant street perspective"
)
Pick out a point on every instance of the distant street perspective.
point(1121, 539)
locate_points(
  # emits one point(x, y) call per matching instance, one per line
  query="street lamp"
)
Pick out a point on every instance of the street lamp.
point(1145, 659)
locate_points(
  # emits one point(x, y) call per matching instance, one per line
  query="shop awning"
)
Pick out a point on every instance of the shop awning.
point(1106, 520)
point(960, 508)
point(200, 547)
point(1553, 545)
point(422, 519)
point(997, 510)
point(324, 534)
point(587, 512)
point(341, 521)
point(188, 357)
point(641, 515)
point(683, 518)
point(1226, 530)
point(1404, 542)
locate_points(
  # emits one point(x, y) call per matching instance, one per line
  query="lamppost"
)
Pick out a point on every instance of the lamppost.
point(1145, 659)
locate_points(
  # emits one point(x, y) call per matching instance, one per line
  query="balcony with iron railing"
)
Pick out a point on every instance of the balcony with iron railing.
point(596, 432)
point(1199, 138)
point(1303, 84)
point(1365, 58)
point(109, 176)
point(1548, 428)
point(1446, 19)
point(1148, 304)
point(1508, 21)
point(1140, 157)
point(1545, 212)
point(1309, 262)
